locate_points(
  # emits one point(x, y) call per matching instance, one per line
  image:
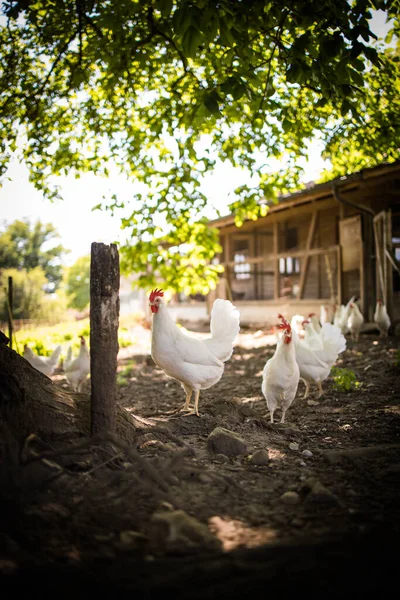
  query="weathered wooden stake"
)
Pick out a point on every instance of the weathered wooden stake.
point(10, 310)
point(104, 317)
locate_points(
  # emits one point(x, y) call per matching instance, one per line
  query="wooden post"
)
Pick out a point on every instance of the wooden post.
point(104, 317)
point(10, 301)
point(339, 299)
point(304, 269)
point(276, 260)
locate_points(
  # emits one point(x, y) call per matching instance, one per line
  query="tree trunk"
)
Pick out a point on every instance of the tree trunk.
point(104, 314)
point(30, 402)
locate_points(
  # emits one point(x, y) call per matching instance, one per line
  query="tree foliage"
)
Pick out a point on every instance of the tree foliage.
point(163, 88)
point(23, 246)
point(77, 283)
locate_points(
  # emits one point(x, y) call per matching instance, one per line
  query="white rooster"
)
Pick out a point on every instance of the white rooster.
point(382, 319)
point(317, 353)
point(355, 321)
point(77, 369)
point(196, 364)
point(281, 373)
point(44, 364)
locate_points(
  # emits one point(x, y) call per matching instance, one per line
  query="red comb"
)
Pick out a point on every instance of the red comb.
point(285, 324)
point(305, 321)
point(311, 315)
point(154, 294)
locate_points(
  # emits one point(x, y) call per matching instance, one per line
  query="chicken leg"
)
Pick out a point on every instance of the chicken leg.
point(307, 389)
point(196, 402)
point(321, 391)
point(189, 393)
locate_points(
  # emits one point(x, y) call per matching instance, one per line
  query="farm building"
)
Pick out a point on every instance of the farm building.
point(321, 245)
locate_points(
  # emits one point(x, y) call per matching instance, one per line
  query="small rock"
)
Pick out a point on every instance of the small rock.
point(131, 540)
point(8, 545)
point(221, 458)
point(53, 508)
point(294, 446)
point(260, 457)
point(307, 453)
point(312, 403)
point(318, 493)
point(223, 441)
point(302, 463)
point(290, 498)
point(178, 532)
point(7, 567)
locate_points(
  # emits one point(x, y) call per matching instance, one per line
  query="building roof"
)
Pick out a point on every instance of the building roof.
point(320, 191)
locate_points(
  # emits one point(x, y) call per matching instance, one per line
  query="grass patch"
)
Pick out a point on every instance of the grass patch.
point(43, 339)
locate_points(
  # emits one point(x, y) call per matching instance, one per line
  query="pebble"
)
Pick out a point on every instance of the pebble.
point(294, 446)
point(223, 441)
point(312, 403)
point(290, 498)
point(260, 457)
point(307, 453)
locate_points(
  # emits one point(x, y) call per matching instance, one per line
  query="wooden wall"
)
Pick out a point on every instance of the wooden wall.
point(322, 275)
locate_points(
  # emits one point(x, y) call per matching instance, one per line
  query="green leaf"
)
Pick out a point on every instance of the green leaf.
point(165, 7)
point(270, 90)
point(226, 36)
point(181, 19)
point(191, 41)
point(211, 103)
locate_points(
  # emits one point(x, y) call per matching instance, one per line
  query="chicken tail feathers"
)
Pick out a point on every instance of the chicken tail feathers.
point(224, 326)
point(68, 358)
point(55, 356)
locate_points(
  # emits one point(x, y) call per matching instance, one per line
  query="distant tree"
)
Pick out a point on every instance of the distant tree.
point(77, 283)
point(28, 294)
point(26, 246)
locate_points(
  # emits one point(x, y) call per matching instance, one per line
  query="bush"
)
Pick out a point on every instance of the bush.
point(344, 380)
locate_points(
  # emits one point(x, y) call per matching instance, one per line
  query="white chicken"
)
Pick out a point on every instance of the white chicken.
point(314, 322)
point(77, 369)
point(317, 353)
point(382, 319)
point(281, 373)
point(355, 321)
point(44, 364)
point(196, 364)
point(296, 323)
point(324, 314)
point(341, 316)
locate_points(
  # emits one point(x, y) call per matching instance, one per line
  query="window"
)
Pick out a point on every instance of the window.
point(291, 238)
point(240, 256)
point(241, 268)
point(289, 266)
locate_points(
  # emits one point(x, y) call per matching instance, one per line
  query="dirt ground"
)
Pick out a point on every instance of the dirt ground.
point(243, 503)
point(331, 469)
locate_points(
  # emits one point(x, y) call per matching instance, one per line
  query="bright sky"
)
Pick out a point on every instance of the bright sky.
point(79, 226)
